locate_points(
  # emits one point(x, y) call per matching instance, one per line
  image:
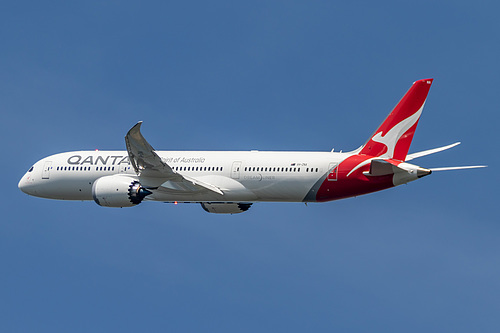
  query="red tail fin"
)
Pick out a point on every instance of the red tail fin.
point(393, 138)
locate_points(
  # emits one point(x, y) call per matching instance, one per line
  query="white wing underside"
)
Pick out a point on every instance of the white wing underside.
point(410, 157)
point(458, 168)
point(437, 150)
point(153, 172)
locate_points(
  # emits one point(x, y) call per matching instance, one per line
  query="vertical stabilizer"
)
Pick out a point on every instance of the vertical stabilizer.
point(393, 137)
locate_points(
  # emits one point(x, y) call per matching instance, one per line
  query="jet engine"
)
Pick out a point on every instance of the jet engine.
point(118, 191)
point(225, 207)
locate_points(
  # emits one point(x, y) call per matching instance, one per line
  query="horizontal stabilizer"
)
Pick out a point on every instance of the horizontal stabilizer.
point(380, 168)
point(390, 167)
point(430, 151)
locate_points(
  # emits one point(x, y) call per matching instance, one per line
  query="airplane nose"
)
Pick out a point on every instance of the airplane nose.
point(21, 185)
point(24, 186)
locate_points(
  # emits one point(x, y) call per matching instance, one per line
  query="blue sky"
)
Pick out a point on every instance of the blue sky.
point(268, 75)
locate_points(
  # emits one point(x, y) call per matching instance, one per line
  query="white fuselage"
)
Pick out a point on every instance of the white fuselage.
point(228, 182)
point(241, 175)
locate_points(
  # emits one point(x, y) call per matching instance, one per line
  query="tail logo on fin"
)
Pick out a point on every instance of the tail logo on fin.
point(391, 138)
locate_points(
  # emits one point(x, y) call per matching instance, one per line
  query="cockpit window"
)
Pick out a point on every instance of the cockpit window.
point(31, 169)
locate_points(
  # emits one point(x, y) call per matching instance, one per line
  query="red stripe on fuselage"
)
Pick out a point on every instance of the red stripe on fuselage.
point(352, 184)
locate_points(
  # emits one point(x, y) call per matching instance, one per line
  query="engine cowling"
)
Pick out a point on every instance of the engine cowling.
point(118, 191)
point(225, 207)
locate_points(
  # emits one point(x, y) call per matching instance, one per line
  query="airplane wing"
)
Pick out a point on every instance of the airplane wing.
point(410, 157)
point(143, 158)
point(153, 171)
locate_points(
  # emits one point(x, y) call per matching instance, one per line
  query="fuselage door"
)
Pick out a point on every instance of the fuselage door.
point(333, 172)
point(46, 170)
point(235, 171)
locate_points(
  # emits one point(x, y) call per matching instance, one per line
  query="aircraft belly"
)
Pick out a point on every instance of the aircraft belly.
point(292, 190)
point(59, 189)
point(232, 191)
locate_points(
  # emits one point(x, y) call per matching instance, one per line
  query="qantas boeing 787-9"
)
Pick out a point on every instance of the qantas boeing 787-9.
point(230, 181)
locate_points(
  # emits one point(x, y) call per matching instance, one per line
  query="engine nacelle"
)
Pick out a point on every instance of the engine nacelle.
point(225, 207)
point(118, 191)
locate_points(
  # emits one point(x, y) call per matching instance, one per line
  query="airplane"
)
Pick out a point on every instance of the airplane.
point(229, 182)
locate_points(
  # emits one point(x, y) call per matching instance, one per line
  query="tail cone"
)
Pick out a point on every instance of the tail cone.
point(421, 172)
